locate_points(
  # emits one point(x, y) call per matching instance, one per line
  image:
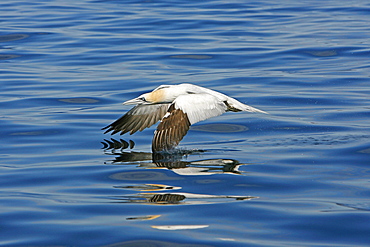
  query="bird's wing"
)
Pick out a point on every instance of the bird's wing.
point(138, 118)
point(183, 112)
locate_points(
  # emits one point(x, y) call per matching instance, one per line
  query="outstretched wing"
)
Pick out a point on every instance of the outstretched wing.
point(138, 118)
point(184, 111)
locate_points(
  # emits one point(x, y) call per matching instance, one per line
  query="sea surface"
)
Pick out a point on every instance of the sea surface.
point(298, 176)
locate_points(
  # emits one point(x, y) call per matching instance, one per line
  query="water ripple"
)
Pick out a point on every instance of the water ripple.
point(299, 174)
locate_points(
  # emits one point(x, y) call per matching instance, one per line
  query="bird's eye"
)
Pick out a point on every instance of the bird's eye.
point(142, 98)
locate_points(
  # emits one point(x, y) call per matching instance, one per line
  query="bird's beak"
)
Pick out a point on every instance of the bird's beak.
point(135, 101)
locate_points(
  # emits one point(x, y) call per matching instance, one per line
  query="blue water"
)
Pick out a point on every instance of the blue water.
point(296, 177)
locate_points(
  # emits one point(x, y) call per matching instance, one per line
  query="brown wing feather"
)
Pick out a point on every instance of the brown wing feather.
point(170, 130)
point(137, 119)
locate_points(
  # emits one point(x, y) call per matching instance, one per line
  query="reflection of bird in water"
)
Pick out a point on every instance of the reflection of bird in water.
point(177, 107)
point(171, 161)
point(181, 198)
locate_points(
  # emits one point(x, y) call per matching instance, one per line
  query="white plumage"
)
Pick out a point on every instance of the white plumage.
point(178, 107)
point(199, 107)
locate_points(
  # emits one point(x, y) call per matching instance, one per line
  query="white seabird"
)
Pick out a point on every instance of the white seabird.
point(177, 107)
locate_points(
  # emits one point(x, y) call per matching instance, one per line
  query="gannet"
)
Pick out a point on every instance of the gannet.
point(177, 107)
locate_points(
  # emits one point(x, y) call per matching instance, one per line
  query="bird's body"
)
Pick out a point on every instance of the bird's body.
point(177, 107)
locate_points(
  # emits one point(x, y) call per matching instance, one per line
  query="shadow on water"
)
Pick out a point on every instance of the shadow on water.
point(159, 194)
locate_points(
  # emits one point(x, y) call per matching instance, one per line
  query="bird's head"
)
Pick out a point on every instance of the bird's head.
point(142, 99)
point(155, 97)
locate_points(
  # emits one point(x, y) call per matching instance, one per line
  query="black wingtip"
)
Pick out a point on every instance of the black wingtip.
point(106, 127)
point(109, 129)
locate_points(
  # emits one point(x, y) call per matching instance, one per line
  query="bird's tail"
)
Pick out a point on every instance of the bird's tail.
point(252, 109)
point(243, 107)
